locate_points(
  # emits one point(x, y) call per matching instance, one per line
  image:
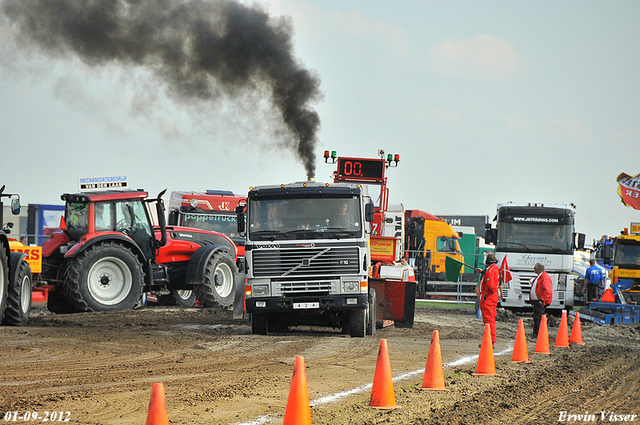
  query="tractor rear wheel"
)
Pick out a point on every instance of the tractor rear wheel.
point(4, 279)
point(105, 277)
point(219, 281)
point(19, 297)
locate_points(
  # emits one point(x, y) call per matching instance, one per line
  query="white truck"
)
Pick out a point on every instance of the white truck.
point(530, 233)
point(310, 253)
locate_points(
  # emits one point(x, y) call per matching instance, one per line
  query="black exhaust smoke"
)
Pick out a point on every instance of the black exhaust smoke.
point(199, 48)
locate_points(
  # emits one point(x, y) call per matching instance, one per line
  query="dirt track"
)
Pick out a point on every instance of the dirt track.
point(100, 368)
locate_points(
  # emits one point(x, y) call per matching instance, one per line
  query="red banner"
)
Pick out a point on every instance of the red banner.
point(629, 190)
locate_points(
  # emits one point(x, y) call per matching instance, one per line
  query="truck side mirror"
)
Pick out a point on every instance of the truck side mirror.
point(490, 235)
point(581, 239)
point(369, 212)
point(15, 206)
point(173, 218)
point(241, 223)
point(607, 254)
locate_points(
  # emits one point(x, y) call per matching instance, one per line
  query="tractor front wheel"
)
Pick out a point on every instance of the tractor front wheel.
point(219, 281)
point(184, 297)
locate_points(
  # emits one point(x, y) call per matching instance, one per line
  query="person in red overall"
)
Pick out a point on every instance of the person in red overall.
point(489, 292)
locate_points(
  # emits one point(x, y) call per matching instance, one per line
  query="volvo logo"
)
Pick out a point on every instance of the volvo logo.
point(267, 246)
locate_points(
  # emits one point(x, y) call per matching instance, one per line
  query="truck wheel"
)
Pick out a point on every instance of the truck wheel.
point(277, 323)
point(57, 302)
point(19, 297)
point(372, 327)
point(4, 279)
point(259, 323)
point(219, 281)
point(105, 277)
point(358, 323)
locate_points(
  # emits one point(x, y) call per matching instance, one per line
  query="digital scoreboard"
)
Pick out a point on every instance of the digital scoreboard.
point(360, 169)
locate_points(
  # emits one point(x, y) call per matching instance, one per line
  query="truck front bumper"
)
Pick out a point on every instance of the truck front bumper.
point(308, 303)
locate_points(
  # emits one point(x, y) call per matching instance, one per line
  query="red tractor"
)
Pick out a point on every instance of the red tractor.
point(107, 253)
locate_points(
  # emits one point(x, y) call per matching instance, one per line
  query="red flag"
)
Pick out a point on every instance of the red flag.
point(505, 273)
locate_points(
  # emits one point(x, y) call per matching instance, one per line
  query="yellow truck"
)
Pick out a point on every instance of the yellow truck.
point(625, 262)
point(431, 239)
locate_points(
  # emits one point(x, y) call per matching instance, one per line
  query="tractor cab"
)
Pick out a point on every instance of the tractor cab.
point(100, 213)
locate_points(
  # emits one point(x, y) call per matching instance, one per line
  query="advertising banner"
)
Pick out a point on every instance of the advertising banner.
point(629, 190)
point(383, 249)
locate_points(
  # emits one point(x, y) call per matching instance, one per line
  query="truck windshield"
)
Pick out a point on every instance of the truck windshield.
point(535, 237)
point(627, 254)
point(226, 223)
point(445, 244)
point(305, 217)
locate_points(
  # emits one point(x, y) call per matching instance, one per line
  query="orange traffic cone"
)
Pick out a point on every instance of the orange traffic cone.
point(486, 363)
point(298, 411)
point(562, 340)
point(434, 372)
point(157, 414)
point(542, 343)
point(520, 352)
point(382, 394)
point(576, 331)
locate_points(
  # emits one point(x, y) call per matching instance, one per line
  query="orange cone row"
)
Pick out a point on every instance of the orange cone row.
point(298, 411)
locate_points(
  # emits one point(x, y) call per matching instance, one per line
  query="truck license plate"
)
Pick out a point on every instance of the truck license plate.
point(297, 306)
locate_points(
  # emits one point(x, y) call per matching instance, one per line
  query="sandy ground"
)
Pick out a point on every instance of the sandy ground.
point(98, 368)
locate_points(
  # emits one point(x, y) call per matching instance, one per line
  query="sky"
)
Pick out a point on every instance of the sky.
point(485, 102)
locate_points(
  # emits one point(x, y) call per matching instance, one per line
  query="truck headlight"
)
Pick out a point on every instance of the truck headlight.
point(350, 286)
point(562, 282)
point(260, 290)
